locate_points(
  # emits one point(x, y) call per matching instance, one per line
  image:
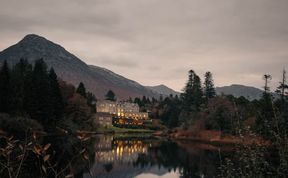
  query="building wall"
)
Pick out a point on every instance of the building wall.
point(106, 107)
point(103, 119)
point(122, 110)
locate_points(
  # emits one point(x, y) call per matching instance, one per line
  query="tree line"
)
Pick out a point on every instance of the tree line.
point(35, 92)
point(199, 107)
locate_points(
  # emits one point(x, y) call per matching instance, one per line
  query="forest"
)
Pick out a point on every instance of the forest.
point(35, 102)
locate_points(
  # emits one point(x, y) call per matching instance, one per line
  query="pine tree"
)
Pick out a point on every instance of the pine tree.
point(81, 90)
point(187, 96)
point(283, 87)
point(282, 103)
point(4, 88)
point(264, 120)
point(144, 100)
point(191, 98)
point(55, 97)
point(193, 95)
point(110, 96)
point(37, 102)
point(209, 89)
point(197, 93)
point(19, 77)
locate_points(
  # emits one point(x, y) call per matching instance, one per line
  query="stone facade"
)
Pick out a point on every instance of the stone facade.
point(123, 111)
point(103, 119)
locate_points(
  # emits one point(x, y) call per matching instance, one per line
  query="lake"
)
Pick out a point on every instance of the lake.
point(127, 156)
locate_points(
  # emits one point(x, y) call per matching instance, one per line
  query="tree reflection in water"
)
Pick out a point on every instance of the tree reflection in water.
point(131, 157)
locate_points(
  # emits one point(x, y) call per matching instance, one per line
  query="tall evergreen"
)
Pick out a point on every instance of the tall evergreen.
point(187, 95)
point(110, 96)
point(81, 90)
point(283, 87)
point(193, 95)
point(19, 78)
point(37, 101)
point(264, 121)
point(139, 102)
point(197, 93)
point(282, 103)
point(209, 89)
point(55, 98)
point(4, 88)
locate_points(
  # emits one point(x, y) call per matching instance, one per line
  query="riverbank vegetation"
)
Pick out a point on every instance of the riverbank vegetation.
point(258, 127)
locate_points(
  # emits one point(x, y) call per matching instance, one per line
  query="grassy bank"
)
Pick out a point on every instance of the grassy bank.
point(118, 130)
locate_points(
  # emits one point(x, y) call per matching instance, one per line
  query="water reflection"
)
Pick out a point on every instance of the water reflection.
point(118, 151)
point(142, 158)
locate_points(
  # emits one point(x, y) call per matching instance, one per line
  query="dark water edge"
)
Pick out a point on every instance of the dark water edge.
point(145, 156)
point(150, 157)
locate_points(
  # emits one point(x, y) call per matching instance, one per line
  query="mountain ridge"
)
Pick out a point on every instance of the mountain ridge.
point(72, 69)
point(98, 80)
point(163, 90)
point(238, 90)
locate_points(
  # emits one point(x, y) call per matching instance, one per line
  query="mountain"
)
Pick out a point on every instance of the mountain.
point(163, 90)
point(248, 92)
point(73, 70)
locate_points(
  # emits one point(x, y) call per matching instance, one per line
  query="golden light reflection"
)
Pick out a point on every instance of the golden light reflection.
point(120, 151)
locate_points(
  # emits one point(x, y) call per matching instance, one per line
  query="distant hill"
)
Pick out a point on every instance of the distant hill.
point(248, 92)
point(163, 90)
point(73, 70)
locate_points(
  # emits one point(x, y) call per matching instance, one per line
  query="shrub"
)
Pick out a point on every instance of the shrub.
point(18, 125)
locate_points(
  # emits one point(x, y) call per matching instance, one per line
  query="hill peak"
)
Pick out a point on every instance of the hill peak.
point(33, 37)
point(72, 69)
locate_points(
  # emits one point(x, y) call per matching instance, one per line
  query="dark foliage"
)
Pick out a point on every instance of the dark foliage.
point(34, 92)
point(81, 90)
point(110, 96)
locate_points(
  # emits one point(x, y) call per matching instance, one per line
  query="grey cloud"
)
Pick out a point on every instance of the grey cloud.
point(160, 40)
point(119, 62)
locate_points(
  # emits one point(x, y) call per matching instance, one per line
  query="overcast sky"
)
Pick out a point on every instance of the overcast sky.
point(158, 41)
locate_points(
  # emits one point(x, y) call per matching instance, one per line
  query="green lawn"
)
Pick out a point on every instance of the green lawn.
point(113, 129)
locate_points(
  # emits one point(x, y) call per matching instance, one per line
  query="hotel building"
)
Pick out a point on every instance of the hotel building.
point(124, 113)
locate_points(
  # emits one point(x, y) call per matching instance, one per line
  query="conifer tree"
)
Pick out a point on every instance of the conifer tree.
point(192, 96)
point(19, 77)
point(4, 88)
point(110, 96)
point(264, 119)
point(55, 97)
point(209, 89)
point(197, 93)
point(283, 87)
point(188, 92)
point(37, 101)
point(282, 103)
point(81, 90)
